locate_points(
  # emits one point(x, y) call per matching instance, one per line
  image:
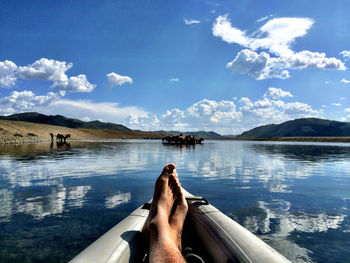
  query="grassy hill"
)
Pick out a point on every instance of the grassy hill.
point(59, 120)
point(305, 127)
point(16, 132)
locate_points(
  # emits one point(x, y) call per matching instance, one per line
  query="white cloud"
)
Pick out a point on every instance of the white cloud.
point(191, 21)
point(7, 73)
point(259, 66)
point(345, 81)
point(263, 66)
point(174, 116)
point(263, 18)
point(76, 84)
point(45, 70)
point(24, 101)
point(277, 93)
point(280, 34)
point(222, 28)
point(174, 80)
point(336, 104)
point(133, 119)
point(345, 54)
point(347, 117)
point(300, 109)
point(307, 59)
point(209, 111)
point(276, 36)
point(115, 79)
point(227, 117)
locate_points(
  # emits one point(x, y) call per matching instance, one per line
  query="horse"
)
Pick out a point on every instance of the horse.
point(199, 141)
point(61, 138)
point(66, 136)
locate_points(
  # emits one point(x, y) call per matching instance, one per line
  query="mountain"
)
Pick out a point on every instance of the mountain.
point(203, 134)
point(305, 127)
point(60, 120)
point(230, 136)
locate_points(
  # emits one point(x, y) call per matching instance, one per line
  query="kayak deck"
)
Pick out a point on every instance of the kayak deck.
point(207, 231)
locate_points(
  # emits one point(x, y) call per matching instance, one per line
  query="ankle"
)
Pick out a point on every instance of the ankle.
point(159, 225)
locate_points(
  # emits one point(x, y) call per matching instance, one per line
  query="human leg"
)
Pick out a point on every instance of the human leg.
point(164, 227)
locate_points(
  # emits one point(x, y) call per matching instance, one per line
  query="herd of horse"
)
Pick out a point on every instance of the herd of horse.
point(60, 138)
point(177, 140)
point(182, 140)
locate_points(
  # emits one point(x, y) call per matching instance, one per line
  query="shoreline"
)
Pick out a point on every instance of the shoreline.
point(21, 132)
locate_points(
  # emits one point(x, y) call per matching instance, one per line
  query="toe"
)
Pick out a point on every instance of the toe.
point(168, 169)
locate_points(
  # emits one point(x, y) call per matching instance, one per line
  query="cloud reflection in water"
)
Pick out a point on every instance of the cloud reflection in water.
point(118, 199)
point(49, 182)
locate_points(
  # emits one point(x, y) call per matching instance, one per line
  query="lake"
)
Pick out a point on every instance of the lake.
point(54, 201)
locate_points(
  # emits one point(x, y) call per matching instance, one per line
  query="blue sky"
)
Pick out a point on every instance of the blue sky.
point(225, 66)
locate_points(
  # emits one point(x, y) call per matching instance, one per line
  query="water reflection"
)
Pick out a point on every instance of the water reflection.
point(305, 152)
point(278, 191)
point(6, 200)
point(76, 195)
point(275, 222)
point(118, 199)
point(41, 206)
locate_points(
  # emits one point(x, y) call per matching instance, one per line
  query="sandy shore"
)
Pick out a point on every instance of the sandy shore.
point(16, 132)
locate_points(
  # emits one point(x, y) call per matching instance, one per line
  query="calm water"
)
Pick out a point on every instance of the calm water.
point(54, 202)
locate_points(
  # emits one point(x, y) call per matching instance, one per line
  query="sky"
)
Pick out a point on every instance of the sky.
point(223, 66)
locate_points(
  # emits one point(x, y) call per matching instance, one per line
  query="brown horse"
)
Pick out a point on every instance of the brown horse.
point(66, 136)
point(200, 140)
point(61, 138)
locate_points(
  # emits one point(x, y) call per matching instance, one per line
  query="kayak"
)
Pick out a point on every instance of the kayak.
point(208, 236)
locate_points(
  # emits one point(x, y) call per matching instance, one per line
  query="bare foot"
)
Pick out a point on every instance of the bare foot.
point(163, 198)
point(166, 217)
point(177, 219)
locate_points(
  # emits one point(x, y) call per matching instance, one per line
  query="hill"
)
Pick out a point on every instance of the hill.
point(16, 132)
point(305, 127)
point(59, 120)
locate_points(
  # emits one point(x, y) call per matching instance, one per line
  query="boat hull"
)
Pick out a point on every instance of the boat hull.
point(224, 239)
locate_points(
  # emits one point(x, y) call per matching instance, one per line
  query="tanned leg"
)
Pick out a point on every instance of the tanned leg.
point(165, 228)
point(177, 219)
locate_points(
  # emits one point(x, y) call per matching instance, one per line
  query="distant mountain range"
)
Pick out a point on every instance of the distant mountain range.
point(305, 127)
point(60, 120)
